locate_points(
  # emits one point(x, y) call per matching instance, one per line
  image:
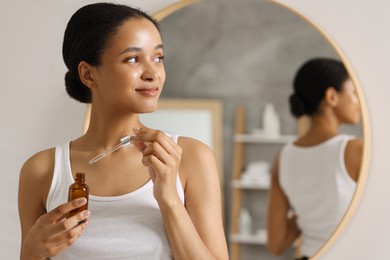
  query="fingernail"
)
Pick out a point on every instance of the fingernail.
point(86, 213)
point(81, 201)
point(136, 130)
point(85, 224)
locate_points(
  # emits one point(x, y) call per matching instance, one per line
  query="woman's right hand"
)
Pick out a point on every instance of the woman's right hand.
point(53, 232)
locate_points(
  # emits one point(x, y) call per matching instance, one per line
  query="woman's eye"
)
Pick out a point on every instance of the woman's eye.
point(159, 58)
point(132, 60)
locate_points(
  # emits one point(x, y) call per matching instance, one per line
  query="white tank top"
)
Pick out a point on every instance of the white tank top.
point(318, 187)
point(128, 226)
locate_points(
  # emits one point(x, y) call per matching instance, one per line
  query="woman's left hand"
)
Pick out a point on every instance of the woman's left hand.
point(162, 157)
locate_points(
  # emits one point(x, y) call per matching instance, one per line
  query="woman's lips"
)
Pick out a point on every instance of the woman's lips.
point(148, 92)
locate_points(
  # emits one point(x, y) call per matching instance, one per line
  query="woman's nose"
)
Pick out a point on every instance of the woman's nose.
point(149, 73)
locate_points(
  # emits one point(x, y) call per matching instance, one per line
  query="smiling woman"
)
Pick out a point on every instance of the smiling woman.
point(33, 99)
point(136, 205)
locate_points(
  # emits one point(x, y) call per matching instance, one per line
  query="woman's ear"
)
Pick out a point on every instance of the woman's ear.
point(86, 74)
point(331, 96)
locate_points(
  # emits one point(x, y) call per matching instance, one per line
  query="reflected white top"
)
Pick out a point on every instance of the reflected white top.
point(128, 226)
point(318, 187)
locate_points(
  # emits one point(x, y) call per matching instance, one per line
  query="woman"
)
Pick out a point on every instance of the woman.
point(114, 55)
point(314, 178)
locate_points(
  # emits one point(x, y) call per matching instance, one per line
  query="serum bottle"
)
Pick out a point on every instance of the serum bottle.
point(79, 189)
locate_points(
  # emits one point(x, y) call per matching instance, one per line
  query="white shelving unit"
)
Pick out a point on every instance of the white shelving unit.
point(242, 138)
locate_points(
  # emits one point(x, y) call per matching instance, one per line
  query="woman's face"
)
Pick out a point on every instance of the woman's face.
point(348, 109)
point(131, 74)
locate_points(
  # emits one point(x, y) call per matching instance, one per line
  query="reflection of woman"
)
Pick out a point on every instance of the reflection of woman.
point(316, 175)
point(114, 55)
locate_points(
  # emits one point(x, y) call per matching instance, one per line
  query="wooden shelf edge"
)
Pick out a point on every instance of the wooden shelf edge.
point(248, 239)
point(253, 138)
point(238, 184)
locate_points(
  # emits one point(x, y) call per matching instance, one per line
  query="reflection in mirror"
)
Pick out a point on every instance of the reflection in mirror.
point(246, 54)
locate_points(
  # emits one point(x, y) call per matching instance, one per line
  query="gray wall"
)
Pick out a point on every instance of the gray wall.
point(242, 53)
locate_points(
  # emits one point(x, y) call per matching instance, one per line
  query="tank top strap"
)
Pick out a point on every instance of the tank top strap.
point(60, 180)
point(180, 190)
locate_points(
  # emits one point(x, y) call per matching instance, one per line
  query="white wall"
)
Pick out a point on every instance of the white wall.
point(36, 112)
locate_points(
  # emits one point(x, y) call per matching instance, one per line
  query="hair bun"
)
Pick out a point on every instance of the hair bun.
point(76, 89)
point(297, 105)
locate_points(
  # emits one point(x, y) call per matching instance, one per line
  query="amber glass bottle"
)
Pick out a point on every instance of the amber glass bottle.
point(78, 189)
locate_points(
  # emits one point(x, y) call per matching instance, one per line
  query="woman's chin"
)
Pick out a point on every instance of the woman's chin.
point(147, 109)
point(146, 112)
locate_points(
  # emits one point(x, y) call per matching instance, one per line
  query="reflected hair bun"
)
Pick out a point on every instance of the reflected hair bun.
point(297, 105)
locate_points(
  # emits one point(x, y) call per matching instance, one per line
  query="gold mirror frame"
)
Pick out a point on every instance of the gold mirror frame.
point(365, 117)
point(360, 185)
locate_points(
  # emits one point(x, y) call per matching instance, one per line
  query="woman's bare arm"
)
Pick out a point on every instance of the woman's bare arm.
point(194, 230)
point(204, 238)
point(282, 229)
point(44, 234)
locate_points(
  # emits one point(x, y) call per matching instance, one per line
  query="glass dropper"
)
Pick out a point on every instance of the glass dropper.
point(124, 142)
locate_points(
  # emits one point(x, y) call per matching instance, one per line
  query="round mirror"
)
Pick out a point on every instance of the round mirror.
point(246, 55)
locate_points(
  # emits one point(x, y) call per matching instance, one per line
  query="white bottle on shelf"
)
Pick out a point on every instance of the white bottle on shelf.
point(271, 121)
point(245, 222)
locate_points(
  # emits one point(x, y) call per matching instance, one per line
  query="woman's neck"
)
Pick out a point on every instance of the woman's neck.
point(322, 127)
point(104, 131)
point(322, 124)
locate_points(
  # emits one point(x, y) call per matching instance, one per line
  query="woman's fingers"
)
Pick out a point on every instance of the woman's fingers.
point(71, 222)
point(63, 240)
point(152, 136)
point(61, 211)
point(155, 149)
point(162, 157)
point(160, 151)
point(69, 236)
point(139, 144)
point(53, 228)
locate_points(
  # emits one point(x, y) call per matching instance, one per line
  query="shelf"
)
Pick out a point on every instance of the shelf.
point(243, 185)
point(249, 239)
point(256, 138)
point(238, 184)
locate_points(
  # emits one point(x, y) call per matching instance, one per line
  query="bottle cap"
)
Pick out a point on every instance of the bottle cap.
point(80, 175)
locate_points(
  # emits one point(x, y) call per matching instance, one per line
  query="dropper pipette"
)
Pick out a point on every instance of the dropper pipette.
point(124, 142)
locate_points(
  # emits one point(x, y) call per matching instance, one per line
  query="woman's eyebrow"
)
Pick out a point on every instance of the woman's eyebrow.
point(159, 46)
point(138, 49)
point(131, 49)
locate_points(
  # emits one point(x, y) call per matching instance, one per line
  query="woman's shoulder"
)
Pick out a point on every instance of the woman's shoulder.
point(39, 165)
point(354, 148)
point(353, 156)
point(35, 177)
point(194, 150)
point(197, 158)
point(192, 145)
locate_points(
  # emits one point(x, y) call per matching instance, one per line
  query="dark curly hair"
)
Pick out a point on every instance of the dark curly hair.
point(312, 80)
point(87, 34)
